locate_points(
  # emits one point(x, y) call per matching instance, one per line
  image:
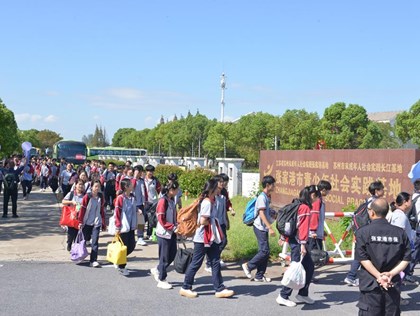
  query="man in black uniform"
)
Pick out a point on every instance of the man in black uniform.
point(383, 251)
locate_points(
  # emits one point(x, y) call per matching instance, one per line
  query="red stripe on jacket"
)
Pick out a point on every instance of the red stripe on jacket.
point(316, 209)
point(304, 217)
point(85, 202)
point(161, 208)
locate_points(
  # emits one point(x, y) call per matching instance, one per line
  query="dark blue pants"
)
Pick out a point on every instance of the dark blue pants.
point(308, 266)
point(213, 252)
point(26, 187)
point(44, 182)
point(129, 241)
point(7, 195)
point(260, 260)
point(222, 245)
point(167, 253)
point(355, 265)
point(92, 232)
point(415, 254)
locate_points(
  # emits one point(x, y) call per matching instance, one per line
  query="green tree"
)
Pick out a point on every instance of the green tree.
point(297, 129)
point(30, 135)
point(99, 138)
point(407, 125)
point(348, 127)
point(9, 137)
point(389, 138)
point(252, 134)
point(47, 139)
point(119, 137)
point(219, 139)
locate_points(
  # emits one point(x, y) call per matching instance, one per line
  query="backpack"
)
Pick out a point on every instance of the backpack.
point(187, 219)
point(412, 214)
point(249, 215)
point(287, 219)
point(361, 216)
point(151, 213)
point(10, 181)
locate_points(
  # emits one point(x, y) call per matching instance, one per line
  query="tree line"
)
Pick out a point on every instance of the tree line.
point(342, 126)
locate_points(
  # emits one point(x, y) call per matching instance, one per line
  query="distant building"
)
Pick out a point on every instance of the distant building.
point(384, 117)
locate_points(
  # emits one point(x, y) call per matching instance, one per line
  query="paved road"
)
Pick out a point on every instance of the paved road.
point(37, 278)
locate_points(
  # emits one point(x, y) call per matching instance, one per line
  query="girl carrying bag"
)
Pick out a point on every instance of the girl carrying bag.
point(117, 251)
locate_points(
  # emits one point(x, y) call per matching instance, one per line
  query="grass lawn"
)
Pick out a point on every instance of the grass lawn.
point(242, 243)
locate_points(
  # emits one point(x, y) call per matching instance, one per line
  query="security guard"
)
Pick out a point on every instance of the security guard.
point(383, 251)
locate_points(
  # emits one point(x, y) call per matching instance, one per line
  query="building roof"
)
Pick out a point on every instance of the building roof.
point(383, 116)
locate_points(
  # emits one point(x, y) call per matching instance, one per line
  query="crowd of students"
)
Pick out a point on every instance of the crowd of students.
point(131, 191)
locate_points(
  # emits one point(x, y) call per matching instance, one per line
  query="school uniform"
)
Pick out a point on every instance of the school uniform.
point(166, 215)
point(212, 250)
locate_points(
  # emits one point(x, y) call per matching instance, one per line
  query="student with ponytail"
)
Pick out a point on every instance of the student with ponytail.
point(299, 247)
point(166, 233)
point(207, 240)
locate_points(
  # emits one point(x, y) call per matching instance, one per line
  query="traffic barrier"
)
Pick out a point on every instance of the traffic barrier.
point(344, 255)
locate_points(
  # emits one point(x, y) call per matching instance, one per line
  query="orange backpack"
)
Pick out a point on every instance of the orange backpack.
point(187, 219)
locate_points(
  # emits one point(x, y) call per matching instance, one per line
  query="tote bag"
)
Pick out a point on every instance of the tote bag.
point(117, 251)
point(69, 216)
point(78, 250)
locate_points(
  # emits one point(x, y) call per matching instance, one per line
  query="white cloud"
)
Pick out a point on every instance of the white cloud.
point(96, 117)
point(148, 119)
point(50, 118)
point(34, 118)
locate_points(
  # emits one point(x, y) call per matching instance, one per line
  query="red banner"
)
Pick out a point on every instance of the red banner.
point(349, 171)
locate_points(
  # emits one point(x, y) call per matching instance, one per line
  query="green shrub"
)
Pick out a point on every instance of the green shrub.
point(192, 181)
point(162, 172)
point(116, 162)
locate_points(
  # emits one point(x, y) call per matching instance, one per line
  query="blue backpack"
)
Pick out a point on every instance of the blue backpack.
point(249, 214)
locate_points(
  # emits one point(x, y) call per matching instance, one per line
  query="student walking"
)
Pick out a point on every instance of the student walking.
point(299, 248)
point(92, 218)
point(166, 233)
point(262, 229)
point(207, 241)
point(125, 206)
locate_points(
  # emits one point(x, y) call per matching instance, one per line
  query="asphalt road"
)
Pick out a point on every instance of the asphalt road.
point(37, 278)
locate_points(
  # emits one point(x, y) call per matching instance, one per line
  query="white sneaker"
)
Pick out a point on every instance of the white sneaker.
point(305, 299)
point(222, 264)
point(246, 270)
point(95, 264)
point(282, 301)
point(207, 269)
point(188, 293)
point(155, 273)
point(263, 279)
point(141, 242)
point(24, 197)
point(164, 285)
point(224, 294)
point(124, 271)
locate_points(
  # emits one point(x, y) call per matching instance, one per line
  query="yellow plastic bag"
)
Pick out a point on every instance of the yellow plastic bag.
point(117, 251)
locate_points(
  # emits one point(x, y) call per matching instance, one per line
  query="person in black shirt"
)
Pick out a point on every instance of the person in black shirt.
point(383, 251)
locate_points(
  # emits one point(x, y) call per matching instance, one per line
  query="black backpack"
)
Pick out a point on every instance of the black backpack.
point(361, 216)
point(10, 181)
point(412, 214)
point(287, 219)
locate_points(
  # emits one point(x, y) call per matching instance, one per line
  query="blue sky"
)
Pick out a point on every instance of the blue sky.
point(69, 65)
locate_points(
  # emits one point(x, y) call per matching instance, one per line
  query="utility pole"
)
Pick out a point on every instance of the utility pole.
point(223, 87)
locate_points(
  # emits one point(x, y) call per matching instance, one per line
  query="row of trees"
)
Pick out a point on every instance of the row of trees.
point(341, 127)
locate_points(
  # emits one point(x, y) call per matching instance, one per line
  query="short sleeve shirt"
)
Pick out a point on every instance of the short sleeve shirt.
point(263, 202)
point(208, 210)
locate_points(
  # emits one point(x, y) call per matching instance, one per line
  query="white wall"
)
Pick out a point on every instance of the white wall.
point(250, 183)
